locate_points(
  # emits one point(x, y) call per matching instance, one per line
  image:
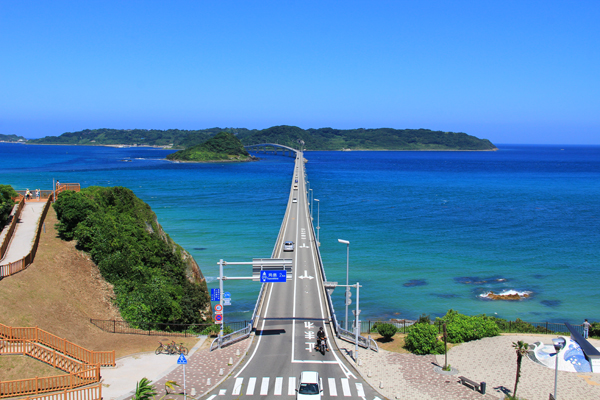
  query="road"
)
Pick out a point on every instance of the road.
point(291, 315)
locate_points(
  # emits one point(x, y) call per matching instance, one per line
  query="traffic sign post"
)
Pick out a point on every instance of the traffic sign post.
point(182, 361)
point(215, 295)
point(218, 308)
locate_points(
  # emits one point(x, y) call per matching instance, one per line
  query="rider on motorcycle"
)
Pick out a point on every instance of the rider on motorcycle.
point(321, 338)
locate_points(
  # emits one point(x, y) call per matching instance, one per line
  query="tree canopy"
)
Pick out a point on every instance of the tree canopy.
point(224, 146)
point(314, 139)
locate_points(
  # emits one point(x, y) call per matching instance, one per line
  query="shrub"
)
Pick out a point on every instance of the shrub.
point(387, 330)
point(213, 330)
point(6, 203)
point(422, 339)
point(462, 328)
point(595, 329)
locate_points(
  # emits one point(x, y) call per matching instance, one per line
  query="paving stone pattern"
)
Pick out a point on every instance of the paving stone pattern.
point(494, 361)
point(408, 376)
point(204, 365)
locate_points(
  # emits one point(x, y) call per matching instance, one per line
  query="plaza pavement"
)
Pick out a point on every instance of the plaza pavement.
point(393, 375)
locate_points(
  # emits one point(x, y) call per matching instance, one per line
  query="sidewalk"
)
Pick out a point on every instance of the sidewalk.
point(202, 370)
point(491, 360)
point(24, 234)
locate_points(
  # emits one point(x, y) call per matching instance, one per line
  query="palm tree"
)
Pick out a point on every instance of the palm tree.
point(521, 349)
point(145, 390)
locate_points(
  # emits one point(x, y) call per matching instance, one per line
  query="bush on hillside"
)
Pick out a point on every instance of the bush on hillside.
point(422, 339)
point(518, 326)
point(6, 203)
point(387, 330)
point(463, 328)
point(123, 238)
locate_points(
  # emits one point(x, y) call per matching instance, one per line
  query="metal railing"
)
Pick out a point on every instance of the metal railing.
point(231, 338)
point(158, 328)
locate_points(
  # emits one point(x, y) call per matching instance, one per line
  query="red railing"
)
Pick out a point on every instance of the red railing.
point(11, 229)
point(37, 335)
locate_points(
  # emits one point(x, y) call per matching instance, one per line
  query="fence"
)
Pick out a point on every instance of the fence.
point(231, 338)
point(11, 229)
point(517, 326)
point(159, 329)
point(67, 382)
point(37, 335)
point(19, 265)
point(87, 393)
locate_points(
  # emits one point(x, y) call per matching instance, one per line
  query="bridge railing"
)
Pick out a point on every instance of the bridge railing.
point(231, 338)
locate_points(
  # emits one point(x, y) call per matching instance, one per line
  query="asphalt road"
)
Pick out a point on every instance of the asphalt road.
point(291, 315)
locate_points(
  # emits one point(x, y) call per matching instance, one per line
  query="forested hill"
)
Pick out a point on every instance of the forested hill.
point(223, 147)
point(314, 139)
point(12, 138)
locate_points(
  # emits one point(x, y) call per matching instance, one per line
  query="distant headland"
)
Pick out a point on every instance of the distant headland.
point(292, 136)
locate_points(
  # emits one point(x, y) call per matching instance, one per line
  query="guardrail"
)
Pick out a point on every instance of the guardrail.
point(262, 287)
point(11, 229)
point(231, 338)
point(70, 349)
point(79, 374)
point(86, 393)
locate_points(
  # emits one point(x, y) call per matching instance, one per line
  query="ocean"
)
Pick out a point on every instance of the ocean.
point(428, 231)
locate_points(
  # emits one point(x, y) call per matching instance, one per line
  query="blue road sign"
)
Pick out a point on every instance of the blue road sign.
point(181, 359)
point(273, 276)
point(226, 295)
point(215, 294)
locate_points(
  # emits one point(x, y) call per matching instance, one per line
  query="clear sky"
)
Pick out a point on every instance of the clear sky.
point(509, 71)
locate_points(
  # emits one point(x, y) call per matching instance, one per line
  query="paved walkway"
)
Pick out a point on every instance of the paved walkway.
point(490, 360)
point(25, 230)
point(203, 370)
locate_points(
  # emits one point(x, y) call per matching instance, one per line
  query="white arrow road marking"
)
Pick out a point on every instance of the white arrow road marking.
point(304, 246)
point(305, 276)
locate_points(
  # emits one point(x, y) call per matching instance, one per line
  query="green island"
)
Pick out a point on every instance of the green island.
point(314, 139)
point(12, 138)
point(222, 147)
point(155, 280)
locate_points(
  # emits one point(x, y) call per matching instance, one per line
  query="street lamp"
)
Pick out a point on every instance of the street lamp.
point(558, 343)
point(318, 222)
point(347, 243)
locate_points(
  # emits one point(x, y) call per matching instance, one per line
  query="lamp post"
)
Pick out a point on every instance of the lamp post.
point(310, 202)
point(558, 343)
point(318, 222)
point(347, 243)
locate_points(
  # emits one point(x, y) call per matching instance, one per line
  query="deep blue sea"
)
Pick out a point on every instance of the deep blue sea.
point(429, 231)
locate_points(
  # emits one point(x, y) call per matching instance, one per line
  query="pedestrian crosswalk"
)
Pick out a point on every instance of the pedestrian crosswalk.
point(264, 386)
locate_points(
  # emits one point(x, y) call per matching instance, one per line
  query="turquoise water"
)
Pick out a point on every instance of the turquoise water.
point(429, 231)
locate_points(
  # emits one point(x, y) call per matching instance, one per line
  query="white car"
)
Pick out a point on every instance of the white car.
point(309, 387)
point(288, 246)
point(294, 200)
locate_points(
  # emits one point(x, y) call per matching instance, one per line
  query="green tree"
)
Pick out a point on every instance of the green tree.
point(521, 348)
point(422, 339)
point(145, 390)
point(6, 203)
point(387, 330)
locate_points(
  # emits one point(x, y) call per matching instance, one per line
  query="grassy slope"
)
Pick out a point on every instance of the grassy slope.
point(60, 292)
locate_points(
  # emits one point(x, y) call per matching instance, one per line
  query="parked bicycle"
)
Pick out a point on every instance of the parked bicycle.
point(162, 349)
point(179, 348)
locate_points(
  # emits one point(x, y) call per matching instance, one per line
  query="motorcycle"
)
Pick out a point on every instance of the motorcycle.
point(322, 345)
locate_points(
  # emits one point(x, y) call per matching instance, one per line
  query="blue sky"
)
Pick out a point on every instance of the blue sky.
point(508, 71)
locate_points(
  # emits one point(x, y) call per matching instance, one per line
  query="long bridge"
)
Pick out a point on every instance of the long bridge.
point(288, 316)
point(272, 148)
